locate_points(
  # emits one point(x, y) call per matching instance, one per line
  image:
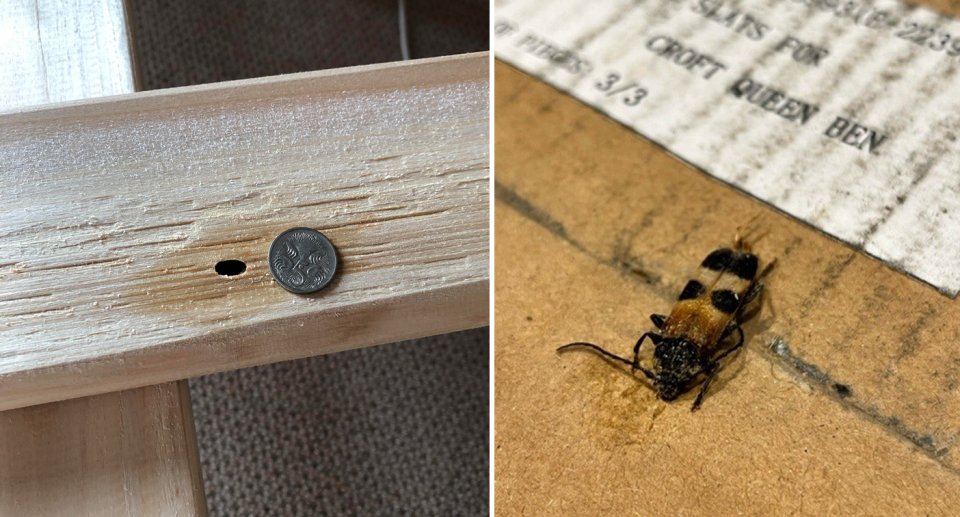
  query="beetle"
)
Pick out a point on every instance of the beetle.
point(691, 339)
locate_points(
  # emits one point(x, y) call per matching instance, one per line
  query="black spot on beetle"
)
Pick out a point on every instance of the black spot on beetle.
point(744, 265)
point(693, 290)
point(718, 259)
point(725, 300)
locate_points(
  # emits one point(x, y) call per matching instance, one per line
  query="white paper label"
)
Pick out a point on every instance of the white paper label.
point(844, 114)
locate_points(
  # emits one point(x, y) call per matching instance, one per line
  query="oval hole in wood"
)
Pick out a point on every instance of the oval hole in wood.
point(230, 267)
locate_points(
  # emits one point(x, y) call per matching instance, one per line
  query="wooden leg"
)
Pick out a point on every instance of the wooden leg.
point(130, 453)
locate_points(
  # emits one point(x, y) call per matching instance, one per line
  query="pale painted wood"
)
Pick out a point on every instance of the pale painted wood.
point(62, 50)
point(117, 210)
point(132, 452)
point(128, 453)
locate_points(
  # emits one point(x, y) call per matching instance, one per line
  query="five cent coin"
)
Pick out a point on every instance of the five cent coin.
point(302, 260)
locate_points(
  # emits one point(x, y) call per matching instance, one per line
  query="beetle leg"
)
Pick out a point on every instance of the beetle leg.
point(713, 367)
point(711, 372)
point(753, 293)
point(658, 320)
point(726, 333)
point(636, 349)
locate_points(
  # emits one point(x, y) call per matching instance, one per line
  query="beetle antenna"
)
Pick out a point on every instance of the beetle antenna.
point(608, 355)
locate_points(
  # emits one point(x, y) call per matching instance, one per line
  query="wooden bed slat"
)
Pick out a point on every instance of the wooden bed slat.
point(118, 209)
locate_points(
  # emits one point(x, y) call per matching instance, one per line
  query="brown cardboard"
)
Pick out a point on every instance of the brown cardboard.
point(844, 401)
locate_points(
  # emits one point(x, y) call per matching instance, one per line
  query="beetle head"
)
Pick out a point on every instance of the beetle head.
point(677, 364)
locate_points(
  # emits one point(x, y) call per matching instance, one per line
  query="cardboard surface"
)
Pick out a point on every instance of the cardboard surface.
point(691, 76)
point(843, 402)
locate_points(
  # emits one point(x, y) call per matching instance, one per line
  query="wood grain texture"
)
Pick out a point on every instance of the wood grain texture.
point(63, 50)
point(842, 402)
point(118, 210)
point(128, 453)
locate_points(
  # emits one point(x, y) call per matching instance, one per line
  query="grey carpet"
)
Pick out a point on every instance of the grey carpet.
point(183, 42)
point(399, 429)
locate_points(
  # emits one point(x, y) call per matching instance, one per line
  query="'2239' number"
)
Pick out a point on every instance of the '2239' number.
point(926, 36)
point(612, 86)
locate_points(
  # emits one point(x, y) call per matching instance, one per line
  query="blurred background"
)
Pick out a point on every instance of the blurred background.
point(397, 429)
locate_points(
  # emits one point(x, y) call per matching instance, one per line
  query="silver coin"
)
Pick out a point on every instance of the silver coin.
point(302, 260)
